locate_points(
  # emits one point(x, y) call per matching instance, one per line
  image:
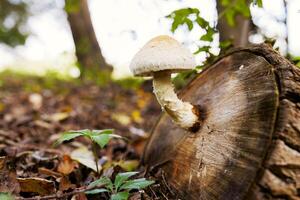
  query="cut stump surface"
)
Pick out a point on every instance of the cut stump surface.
point(249, 144)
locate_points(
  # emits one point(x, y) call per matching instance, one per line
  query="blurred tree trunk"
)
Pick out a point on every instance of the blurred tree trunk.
point(88, 52)
point(237, 34)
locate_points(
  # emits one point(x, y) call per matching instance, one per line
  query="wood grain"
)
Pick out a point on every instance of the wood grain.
point(244, 97)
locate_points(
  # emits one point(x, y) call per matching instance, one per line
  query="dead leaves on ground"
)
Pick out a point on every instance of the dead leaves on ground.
point(31, 120)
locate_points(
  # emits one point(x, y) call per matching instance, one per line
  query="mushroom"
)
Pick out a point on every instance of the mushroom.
point(159, 58)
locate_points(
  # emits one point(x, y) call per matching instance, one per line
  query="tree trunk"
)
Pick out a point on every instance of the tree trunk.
point(88, 52)
point(249, 144)
point(238, 34)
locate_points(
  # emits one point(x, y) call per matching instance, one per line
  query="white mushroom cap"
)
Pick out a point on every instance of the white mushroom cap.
point(160, 54)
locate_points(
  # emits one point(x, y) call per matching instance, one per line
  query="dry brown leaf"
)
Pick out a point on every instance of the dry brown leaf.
point(49, 172)
point(36, 185)
point(80, 196)
point(8, 179)
point(65, 184)
point(66, 165)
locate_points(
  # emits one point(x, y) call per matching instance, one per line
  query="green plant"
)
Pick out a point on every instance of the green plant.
point(295, 60)
point(120, 188)
point(190, 17)
point(6, 196)
point(98, 137)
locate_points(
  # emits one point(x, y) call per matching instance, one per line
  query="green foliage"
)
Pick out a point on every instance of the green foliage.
point(120, 196)
point(36, 83)
point(6, 196)
point(258, 3)
point(225, 44)
point(101, 137)
point(93, 74)
point(120, 188)
point(190, 17)
point(72, 6)
point(295, 60)
point(130, 82)
point(13, 15)
point(233, 8)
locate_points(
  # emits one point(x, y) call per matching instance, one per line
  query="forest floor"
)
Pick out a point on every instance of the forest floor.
point(34, 112)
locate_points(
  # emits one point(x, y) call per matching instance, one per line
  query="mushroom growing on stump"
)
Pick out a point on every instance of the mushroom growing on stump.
point(248, 146)
point(159, 58)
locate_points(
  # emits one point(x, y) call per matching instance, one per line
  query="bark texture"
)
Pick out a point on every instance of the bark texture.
point(249, 144)
point(241, 31)
point(88, 51)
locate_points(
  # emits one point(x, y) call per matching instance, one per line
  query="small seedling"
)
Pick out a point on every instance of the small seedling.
point(120, 188)
point(98, 137)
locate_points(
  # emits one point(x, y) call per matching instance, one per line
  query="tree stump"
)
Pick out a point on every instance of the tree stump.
point(248, 146)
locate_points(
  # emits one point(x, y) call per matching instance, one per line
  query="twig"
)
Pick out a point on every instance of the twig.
point(166, 184)
point(56, 196)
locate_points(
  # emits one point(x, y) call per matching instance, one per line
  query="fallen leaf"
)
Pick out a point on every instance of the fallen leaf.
point(8, 178)
point(2, 106)
point(2, 162)
point(121, 118)
point(136, 116)
point(36, 185)
point(43, 124)
point(66, 165)
point(128, 165)
point(80, 196)
point(85, 157)
point(49, 172)
point(56, 117)
point(65, 184)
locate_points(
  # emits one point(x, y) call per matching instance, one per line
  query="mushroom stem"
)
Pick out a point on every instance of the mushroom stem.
point(183, 113)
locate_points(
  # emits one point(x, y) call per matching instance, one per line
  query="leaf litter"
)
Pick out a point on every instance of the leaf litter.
point(32, 119)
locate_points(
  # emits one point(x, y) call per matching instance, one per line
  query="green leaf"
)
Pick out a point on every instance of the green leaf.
point(72, 6)
point(120, 196)
point(258, 3)
point(66, 136)
point(202, 22)
point(230, 16)
point(189, 23)
point(208, 36)
point(201, 49)
point(121, 177)
point(136, 184)
point(6, 196)
point(103, 181)
point(181, 17)
point(103, 139)
point(85, 132)
point(96, 191)
point(225, 44)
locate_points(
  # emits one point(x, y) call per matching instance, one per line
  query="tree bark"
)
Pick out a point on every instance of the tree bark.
point(88, 51)
point(249, 144)
point(238, 34)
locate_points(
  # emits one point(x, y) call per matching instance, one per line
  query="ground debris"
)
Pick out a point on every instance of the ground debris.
point(32, 118)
